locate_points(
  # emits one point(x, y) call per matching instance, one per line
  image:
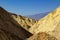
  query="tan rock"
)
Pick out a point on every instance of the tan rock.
point(49, 24)
point(25, 22)
point(42, 36)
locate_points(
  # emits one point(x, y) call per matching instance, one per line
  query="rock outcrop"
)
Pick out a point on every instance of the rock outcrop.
point(42, 36)
point(10, 29)
point(49, 24)
point(25, 22)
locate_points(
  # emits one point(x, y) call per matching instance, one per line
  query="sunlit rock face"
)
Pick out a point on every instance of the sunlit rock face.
point(17, 27)
point(10, 29)
point(42, 36)
point(25, 22)
point(49, 24)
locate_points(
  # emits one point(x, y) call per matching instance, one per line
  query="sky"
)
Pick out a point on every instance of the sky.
point(29, 7)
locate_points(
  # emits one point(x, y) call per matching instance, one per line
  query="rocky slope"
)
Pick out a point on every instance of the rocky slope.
point(16, 27)
point(42, 36)
point(25, 22)
point(10, 28)
point(49, 24)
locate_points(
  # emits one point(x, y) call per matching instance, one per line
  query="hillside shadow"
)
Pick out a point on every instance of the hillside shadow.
point(8, 24)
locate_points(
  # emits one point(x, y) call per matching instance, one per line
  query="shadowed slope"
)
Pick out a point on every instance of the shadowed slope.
point(8, 24)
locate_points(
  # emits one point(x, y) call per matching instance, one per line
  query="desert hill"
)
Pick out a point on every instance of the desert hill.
point(49, 24)
point(10, 28)
point(17, 27)
point(25, 22)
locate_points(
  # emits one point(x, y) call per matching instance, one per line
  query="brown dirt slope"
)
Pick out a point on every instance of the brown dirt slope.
point(10, 29)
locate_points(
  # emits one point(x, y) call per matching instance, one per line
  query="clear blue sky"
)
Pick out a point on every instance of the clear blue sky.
point(29, 7)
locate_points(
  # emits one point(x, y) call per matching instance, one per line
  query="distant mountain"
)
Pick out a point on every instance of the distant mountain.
point(37, 16)
point(49, 24)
